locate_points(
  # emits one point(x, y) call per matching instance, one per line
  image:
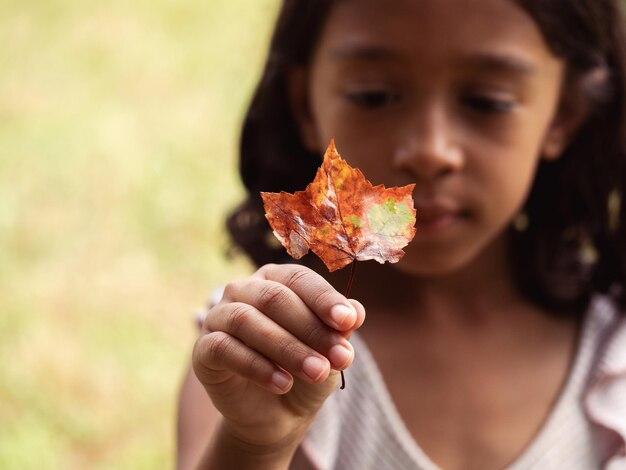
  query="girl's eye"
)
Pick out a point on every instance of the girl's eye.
point(487, 105)
point(372, 99)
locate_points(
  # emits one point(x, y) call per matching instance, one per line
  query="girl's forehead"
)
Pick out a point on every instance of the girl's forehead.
point(431, 27)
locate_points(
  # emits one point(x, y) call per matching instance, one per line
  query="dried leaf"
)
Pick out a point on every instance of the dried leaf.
point(341, 217)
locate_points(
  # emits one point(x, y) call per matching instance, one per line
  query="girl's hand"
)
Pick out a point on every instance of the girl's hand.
point(270, 352)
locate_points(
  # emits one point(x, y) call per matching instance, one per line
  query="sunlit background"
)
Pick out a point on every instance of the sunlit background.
point(118, 133)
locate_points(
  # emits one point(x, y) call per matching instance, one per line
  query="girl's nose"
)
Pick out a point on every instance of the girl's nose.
point(428, 149)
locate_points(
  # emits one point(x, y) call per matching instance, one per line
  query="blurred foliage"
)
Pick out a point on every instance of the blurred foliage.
point(118, 133)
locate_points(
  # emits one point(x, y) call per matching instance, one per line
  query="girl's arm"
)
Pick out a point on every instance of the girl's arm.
point(197, 421)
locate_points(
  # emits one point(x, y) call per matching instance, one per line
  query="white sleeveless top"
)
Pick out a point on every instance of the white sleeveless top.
point(359, 428)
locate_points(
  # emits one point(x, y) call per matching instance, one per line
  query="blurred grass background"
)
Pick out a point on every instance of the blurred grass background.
point(118, 134)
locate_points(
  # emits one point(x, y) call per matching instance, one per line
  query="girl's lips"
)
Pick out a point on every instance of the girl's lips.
point(434, 220)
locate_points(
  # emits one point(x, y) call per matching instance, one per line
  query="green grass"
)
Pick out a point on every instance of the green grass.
point(118, 133)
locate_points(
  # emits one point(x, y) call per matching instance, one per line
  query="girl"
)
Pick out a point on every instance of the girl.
point(498, 341)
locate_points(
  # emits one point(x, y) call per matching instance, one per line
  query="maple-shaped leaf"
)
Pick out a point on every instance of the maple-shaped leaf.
point(342, 217)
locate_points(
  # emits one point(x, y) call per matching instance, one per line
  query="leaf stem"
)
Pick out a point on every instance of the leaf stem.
point(348, 289)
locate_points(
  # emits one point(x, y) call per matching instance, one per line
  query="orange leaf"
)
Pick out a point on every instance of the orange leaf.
point(341, 217)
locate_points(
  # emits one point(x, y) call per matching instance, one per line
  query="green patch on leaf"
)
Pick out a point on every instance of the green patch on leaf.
point(354, 220)
point(390, 204)
point(390, 218)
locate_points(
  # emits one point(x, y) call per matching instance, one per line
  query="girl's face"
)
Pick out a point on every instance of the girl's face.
point(460, 97)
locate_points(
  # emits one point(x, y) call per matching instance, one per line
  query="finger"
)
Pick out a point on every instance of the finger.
point(217, 355)
point(261, 334)
point(288, 310)
point(316, 292)
point(360, 315)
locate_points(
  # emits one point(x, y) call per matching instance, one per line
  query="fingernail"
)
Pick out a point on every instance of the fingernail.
point(343, 316)
point(314, 367)
point(340, 356)
point(281, 380)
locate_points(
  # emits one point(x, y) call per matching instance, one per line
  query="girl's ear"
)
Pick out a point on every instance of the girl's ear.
point(298, 94)
point(577, 100)
point(571, 114)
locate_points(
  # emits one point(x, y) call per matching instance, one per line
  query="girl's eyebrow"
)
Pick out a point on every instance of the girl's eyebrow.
point(488, 61)
point(497, 62)
point(363, 52)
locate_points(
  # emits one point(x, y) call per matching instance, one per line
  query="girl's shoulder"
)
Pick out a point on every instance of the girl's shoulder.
point(604, 396)
point(214, 297)
point(605, 333)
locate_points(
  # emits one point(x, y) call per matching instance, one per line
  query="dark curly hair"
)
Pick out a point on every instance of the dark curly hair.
point(573, 244)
